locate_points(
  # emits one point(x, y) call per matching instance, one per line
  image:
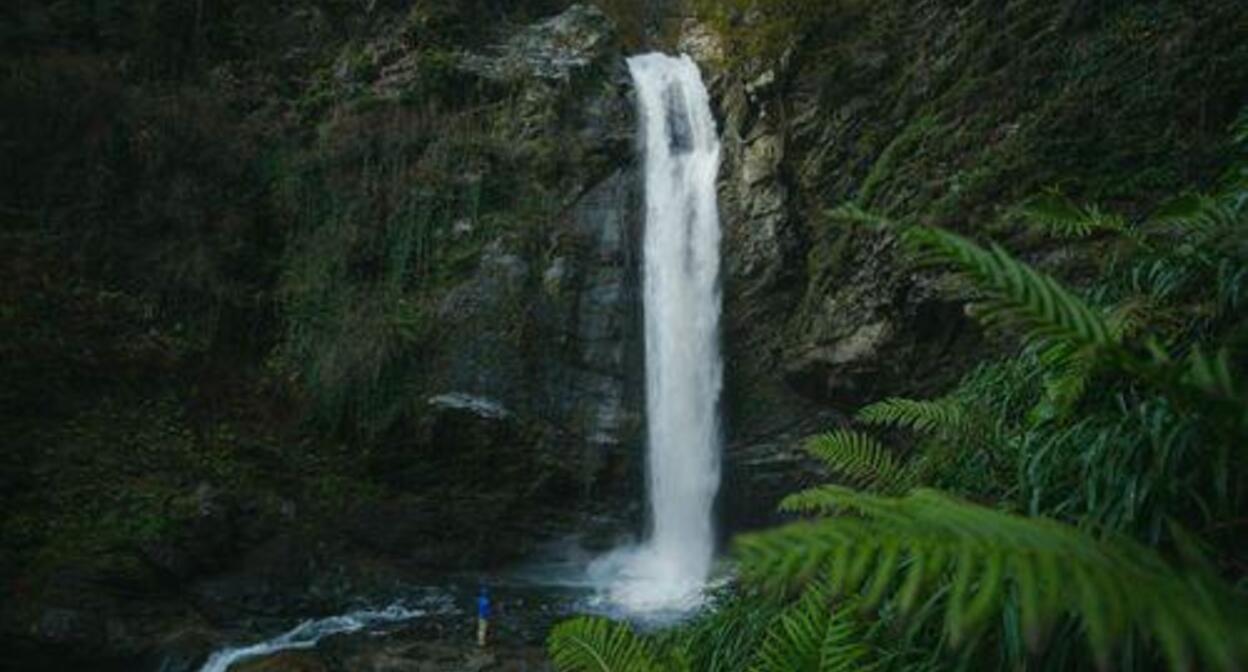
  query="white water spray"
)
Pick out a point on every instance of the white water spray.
point(307, 634)
point(683, 367)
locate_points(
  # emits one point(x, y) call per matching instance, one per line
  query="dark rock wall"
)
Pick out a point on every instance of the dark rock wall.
point(547, 325)
point(932, 113)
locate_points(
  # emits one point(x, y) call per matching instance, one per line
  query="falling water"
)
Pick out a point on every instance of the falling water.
point(683, 368)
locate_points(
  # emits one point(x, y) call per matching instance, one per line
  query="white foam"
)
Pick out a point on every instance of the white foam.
point(307, 634)
point(669, 570)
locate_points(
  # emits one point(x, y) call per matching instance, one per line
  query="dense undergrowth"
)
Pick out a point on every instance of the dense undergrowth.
point(221, 244)
point(1089, 487)
point(951, 112)
point(977, 104)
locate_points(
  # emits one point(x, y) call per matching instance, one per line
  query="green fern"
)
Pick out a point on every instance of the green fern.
point(1239, 129)
point(589, 644)
point(1060, 217)
point(1211, 374)
point(1206, 221)
point(860, 459)
point(924, 416)
point(929, 546)
point(852, 213)
point(1016, 294)
point(812, 636)
point(1066, 373)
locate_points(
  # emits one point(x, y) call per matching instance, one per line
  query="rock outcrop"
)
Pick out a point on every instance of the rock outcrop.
point(817, 321)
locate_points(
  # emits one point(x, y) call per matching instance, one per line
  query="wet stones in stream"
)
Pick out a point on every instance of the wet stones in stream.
point(400, 653)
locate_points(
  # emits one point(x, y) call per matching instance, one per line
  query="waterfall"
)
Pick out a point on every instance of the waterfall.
point(683, 367)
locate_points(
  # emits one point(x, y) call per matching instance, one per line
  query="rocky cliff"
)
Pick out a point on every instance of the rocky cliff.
point(426, 359)
point(924, 112)
point(312, 297)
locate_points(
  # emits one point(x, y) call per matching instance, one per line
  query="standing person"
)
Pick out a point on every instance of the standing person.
point(483, 615)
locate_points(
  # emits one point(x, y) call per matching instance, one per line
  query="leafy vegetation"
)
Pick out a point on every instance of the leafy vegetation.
point(221, 249)
point(217, 228)
point(1095, 478)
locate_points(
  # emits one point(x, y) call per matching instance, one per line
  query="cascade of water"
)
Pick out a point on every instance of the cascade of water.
point(307, 634)
point(683, 366)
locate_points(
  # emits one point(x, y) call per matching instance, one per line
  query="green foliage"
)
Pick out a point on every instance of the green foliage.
point(940, 415)
point(852, 213)
point(351, 322)
point(599, 645)
point(858, 458)
point(978, 561)
point(382, 222)
point(1113, 429)
point(764, 30)
point(1060, 217)
point(812, 635)
point(913, 140)
point(632, 20)
point(1157, 416)
point(726, 638)
point(1016, 294)
point(806, 634)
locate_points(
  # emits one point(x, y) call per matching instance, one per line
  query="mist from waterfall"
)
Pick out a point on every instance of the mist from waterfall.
point(669, 571)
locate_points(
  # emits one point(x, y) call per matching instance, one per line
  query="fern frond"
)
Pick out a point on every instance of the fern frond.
point(924, 416)
point(859, 459)
point(931, 546)
point(1061, 218)
point(1203, 219)
point(1017, 294)
point(822, 499)
point(1211, 374)
point(851, 213)
point(589, 644)
point(812, 636)
point(1239, 129)
point(1208, 375)
point(1130, 317)
point(1066, 373)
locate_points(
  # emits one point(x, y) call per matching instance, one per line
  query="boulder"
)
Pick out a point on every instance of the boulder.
point(285, 661)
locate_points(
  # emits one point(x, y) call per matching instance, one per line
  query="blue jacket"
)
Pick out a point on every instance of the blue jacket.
point(483, 606)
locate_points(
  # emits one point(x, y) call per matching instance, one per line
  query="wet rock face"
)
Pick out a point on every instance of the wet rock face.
point(764, 252)
point(593, 373)
point(553, 49)
point(205, 541)
point(548, 324)
point(528, 411)
point(818, 320)
point(822, 311)
point(287, 661)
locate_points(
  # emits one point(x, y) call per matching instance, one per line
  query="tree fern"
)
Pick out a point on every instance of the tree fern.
point(930, 546)
point(924, 416)
point(813, 636)
point(860, 459)
point(589, 644)
point(1016, 294)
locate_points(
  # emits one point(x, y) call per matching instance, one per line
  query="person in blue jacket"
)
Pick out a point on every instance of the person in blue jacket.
point(483, 615)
